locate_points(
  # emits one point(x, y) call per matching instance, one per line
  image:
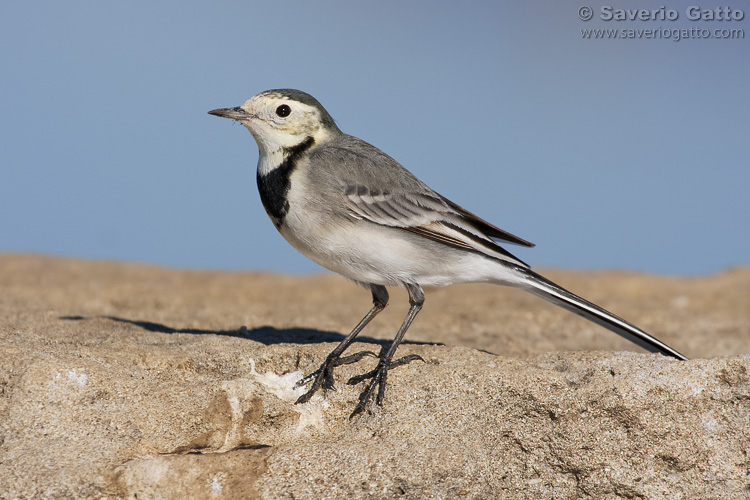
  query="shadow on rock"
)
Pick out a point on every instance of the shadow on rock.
point(266, 335)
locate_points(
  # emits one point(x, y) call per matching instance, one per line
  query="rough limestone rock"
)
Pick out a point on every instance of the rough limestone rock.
point(128, 381)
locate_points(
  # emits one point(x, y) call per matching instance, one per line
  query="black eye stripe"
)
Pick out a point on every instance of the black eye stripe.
point(283, 110)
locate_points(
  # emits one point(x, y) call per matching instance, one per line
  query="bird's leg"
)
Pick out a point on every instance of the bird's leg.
point(379, 375)
point(323, 376)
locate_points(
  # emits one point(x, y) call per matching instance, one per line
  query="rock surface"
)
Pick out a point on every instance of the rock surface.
point(130, 381)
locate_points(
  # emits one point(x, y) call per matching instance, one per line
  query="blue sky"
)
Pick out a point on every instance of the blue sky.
point(609, 153)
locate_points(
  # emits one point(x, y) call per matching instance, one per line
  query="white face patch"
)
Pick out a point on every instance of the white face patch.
point(279, 122)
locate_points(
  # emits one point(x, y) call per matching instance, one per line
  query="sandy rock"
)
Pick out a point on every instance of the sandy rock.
point(128, 381)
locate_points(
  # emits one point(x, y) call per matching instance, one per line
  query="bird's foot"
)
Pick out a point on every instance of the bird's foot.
point(323, 376)
point(378, 378)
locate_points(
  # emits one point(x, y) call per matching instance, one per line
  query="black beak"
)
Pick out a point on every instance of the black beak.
point(233, 113)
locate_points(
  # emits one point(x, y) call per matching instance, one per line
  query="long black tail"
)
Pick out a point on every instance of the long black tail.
point(544, 288)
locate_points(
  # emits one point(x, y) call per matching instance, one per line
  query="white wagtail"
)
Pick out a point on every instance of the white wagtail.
point(353, 209)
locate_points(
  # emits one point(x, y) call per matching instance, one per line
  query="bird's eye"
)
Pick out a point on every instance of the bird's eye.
point(283, 110)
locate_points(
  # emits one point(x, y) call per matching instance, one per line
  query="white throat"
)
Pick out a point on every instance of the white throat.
point(273, 152)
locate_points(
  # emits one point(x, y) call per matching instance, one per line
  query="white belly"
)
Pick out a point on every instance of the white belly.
point(369, 253)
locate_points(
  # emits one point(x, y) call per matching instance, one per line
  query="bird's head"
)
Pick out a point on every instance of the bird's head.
point(282, 119)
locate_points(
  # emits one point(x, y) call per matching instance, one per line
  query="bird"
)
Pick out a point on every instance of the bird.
point(351, 208)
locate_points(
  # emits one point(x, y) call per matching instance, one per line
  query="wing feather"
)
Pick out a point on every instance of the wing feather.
point(489, 229)
point(433, 217)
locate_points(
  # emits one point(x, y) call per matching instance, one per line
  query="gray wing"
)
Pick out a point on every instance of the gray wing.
point(378, 189)
point(431, 216)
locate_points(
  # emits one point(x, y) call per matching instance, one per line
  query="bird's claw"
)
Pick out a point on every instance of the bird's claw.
point(323, 376)
point(378, 376)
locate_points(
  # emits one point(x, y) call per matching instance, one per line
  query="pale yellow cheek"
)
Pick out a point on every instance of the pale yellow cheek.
point(307, 125)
